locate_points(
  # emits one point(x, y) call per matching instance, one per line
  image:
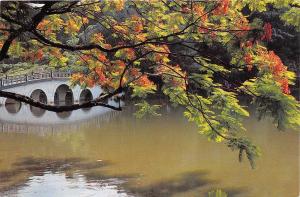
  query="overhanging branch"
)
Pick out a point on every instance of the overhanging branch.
point(96, 102)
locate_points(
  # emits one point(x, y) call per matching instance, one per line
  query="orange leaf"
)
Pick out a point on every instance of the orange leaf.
point(130, 53)
point(41, 25)
point(200, 12)
point(101, 77)
point(285, 86)
point(138, 27)
point(119, 4)
point(39, 54)
point(73, 26)
point(89, 82)
point(144, 81)
point(85, 20)
point(102, 58)
point(55, 52)
point(248, 59)
point(85, 58)
point(267, 32)
point(120, 63)
point(77, 77)
point(134, 72)
point(222, 7)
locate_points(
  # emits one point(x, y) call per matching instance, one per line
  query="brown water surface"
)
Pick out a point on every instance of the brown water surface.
point(125, 156)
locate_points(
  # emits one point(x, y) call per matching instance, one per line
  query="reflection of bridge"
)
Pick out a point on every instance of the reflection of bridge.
point(46, 129)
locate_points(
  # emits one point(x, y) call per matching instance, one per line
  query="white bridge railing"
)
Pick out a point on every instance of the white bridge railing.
point(8, 81)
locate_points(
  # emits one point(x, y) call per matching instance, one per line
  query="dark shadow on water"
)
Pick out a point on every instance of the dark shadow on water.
point(183, 183)
point(196, 181)
point(28, 167)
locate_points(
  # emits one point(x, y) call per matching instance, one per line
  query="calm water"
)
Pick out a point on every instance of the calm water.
point(117, 155)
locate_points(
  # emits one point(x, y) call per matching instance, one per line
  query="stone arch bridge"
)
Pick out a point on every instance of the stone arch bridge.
point(50, 88)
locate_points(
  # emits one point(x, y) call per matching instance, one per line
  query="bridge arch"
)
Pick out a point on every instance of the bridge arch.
point(63, 95)
point(39, 95)
point(85, 96)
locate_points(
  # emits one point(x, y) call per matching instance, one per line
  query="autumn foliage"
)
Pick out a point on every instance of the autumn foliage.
point(277, 68)
point(222, 7)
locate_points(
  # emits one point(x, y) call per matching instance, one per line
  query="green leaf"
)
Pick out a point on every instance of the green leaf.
point(144, 108)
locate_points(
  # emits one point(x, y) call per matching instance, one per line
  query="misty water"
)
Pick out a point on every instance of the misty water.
point(114, 154)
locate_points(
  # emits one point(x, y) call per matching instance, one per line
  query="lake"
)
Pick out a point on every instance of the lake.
point(115, 154)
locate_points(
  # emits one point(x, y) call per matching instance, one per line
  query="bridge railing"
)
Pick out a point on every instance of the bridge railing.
point(21, 79)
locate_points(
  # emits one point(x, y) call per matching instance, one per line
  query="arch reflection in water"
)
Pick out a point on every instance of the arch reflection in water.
point(13, 106)
point(64, 115)
point(38, 95)
point(85, 96)
point(25, 114)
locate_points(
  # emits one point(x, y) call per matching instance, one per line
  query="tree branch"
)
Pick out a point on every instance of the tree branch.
point(99, 101)
point(14, 34)
point(96, 102)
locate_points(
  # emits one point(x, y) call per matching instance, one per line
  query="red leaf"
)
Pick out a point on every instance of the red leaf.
point(267, 32)
point(39, 54)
